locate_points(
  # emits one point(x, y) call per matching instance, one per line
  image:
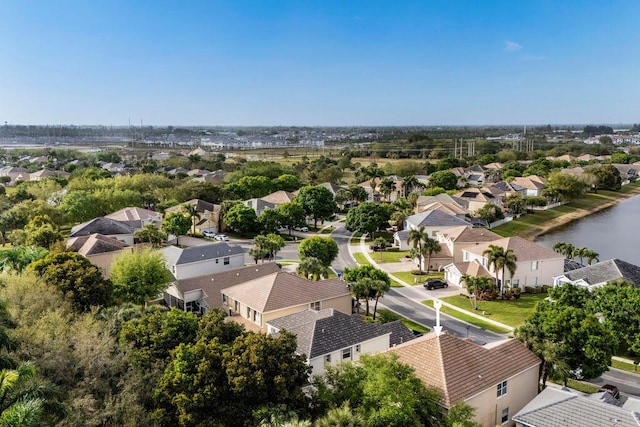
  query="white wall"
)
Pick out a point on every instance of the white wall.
point(526, 274)
point(372, 346)
point(210, 266)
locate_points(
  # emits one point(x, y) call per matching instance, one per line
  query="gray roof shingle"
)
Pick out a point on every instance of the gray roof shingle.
point(106, 226)
point(606, 271)
point(177, 256)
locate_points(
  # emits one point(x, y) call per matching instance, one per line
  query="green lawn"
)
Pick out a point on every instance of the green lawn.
point(412, 279)
point(469, 319)
point(582, 386)
point(361, 258)
point(629, 367)
point(327, 230)
point(388, 256)
point(512, 313)
point(408, 323)
point(355, 239)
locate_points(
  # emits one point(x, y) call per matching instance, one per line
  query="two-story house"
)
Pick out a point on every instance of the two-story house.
point(196, 261)
point(496, 380)
point(209, 214)
point(533, 184)
point(145, 216)
point(535, 265)
point(121, 230)
point(459, 238)
point(599, 274)
point(433, 222)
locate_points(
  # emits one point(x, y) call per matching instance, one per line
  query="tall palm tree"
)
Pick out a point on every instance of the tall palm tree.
point(430, 247)
point(591, 256)
point(410, 183)
point(416, 239)
point(380, 287)
point(501, 260)
point(580, 253)
point(564, 248)
point(386, 187)
point(194, 214)
point(341, 417)
point(313, 268)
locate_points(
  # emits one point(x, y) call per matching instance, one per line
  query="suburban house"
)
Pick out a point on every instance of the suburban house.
point(196, 261)
point(329, 337)
point(497, 380)
point(258, 301)
point(627, 172)
point(121, 230)
point(476, 198)
point(145, 216)
point(535, 265)
point(259, 205)
point(451, 203)
point(100, 250)
point(47, 173)
point(278, 197)
point(209, 214)
point(599, 274)
point(533, 184)
point(459, 238)
point(215, 177)
point(15, 174)
point(202, 293)
point(334, 188)
point(372, 194)
point(433, 222)
point(555, 407)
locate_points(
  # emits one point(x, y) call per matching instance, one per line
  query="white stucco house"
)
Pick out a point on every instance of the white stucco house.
point(434, 221)
point(196, 261)
point(599, 274)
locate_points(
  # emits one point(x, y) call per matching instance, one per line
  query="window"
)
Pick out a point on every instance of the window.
point(502, 388)
point(505, 415)
point(534, 265)
point(226, 261)
point(315, 306)
point(248, 313)
point(237, 307)
point(357, 348)
point(515, 284)
point(346, 354)
point(217, 261)
point(327, 358)
point(465, 256)
point(225, 300)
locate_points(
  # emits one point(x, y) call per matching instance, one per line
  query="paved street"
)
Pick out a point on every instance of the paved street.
point(626, 382)
point(342, 236)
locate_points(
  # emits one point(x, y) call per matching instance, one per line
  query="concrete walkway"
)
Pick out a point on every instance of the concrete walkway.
point(363, 248)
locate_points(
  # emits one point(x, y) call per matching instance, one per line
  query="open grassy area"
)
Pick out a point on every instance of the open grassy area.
point(361, 258)
point(327, 230)
point(582, 386)
point(408, 323)
point(412, 279)
point(512, 313)
point(469, 319)
point(629, 367)
point(536, 219)
point(355, 239)
point(388, 256)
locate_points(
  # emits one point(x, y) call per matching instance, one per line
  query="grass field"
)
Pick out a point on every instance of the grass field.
point(512, 313)
point(469, 319)
point(412, 279)
point(361, 258)
point(388, 256)
point(629, 367)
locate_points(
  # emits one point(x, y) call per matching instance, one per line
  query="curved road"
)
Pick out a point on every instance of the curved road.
point(406, 301)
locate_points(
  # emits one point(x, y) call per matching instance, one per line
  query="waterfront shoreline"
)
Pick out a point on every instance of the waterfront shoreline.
point(535, 232)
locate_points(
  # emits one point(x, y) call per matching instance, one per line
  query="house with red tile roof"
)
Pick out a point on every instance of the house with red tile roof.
point(497, 380)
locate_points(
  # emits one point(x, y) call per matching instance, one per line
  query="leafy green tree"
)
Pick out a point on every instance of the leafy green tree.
point(194, 215)
point(287, 182)
point(269, 221)
point(268, 245)
point(21, 403)
point(291, 215)
point(477, 286)
point(516, 203)
point(570, 341)
point(562, 186)
point(490, 213)
point(358, 193)
point(41, 231)
point(249, 187)
point(608, 177)
point(618, 304)
point(313, 268)
point(323, 248)
point(176, 223)
point(367, 217)
point(80, 206)
point(74, 275)
point(341, 417)
point(380, 389)
point(367, 283)
point(461, 415)
point(18, 258)
point(443, 179)
point(241, 218)
point(317, 203)
point(151, 234)
point(139, 276)
point(501, 259)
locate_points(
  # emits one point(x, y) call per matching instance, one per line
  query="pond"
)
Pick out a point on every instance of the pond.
point(613, 232)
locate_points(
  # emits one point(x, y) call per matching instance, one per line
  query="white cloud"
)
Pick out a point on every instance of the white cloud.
point(510, 46)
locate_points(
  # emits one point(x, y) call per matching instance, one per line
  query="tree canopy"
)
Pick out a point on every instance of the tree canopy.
point(323, 248)
point(139, 276)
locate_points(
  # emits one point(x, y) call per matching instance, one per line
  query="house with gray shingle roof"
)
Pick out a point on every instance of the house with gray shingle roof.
point(496, 380)
point(433, 221)
point(100, 250)
point(146, 216)
point(259, 205)
point(196, 261)
point(330, 337)
point(601, 273)
point(121, 230)
point(276, 295)
point(535, 265)
point(564, 407)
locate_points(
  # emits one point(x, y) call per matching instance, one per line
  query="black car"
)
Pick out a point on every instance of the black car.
point(435, 284)
point(611, 389)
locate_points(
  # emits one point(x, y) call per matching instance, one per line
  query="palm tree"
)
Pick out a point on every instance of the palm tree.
point(341, 417)
point(416, 238)
point(591, 256)
point(564, 248)
point(502, 260)
point(386, 187)
point(410, 183)
point(194, 214)
point(312, 267)
point(580, 253)
point(430, 247)
point(379, 288)
point(151, 234)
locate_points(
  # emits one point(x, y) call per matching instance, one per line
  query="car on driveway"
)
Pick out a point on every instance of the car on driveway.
point(431, 284)
point(611, 389)
point(208, 233)
point(222, 238)
point(303, 229)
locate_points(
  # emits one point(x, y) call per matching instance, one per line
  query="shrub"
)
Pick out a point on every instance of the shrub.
point(545, 289)
point(417, 272)
point(530, 289)
point(396, 249)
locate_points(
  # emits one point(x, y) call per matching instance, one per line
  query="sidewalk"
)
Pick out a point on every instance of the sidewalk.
point(363, 248)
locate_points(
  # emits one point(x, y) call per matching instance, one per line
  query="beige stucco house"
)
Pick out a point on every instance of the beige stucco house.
point(497, 380)
point(278, 294)
point(459, 238)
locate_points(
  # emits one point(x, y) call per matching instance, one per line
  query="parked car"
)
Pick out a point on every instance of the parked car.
point(303, 229)
point(376, 248)
point(431, 284)
point(222, 238)
point(613, 390)
point(208, 233)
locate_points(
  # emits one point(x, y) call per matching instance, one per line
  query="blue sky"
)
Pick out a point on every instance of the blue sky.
point(324, 62)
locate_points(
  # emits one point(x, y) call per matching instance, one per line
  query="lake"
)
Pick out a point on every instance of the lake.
point(613, 233)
